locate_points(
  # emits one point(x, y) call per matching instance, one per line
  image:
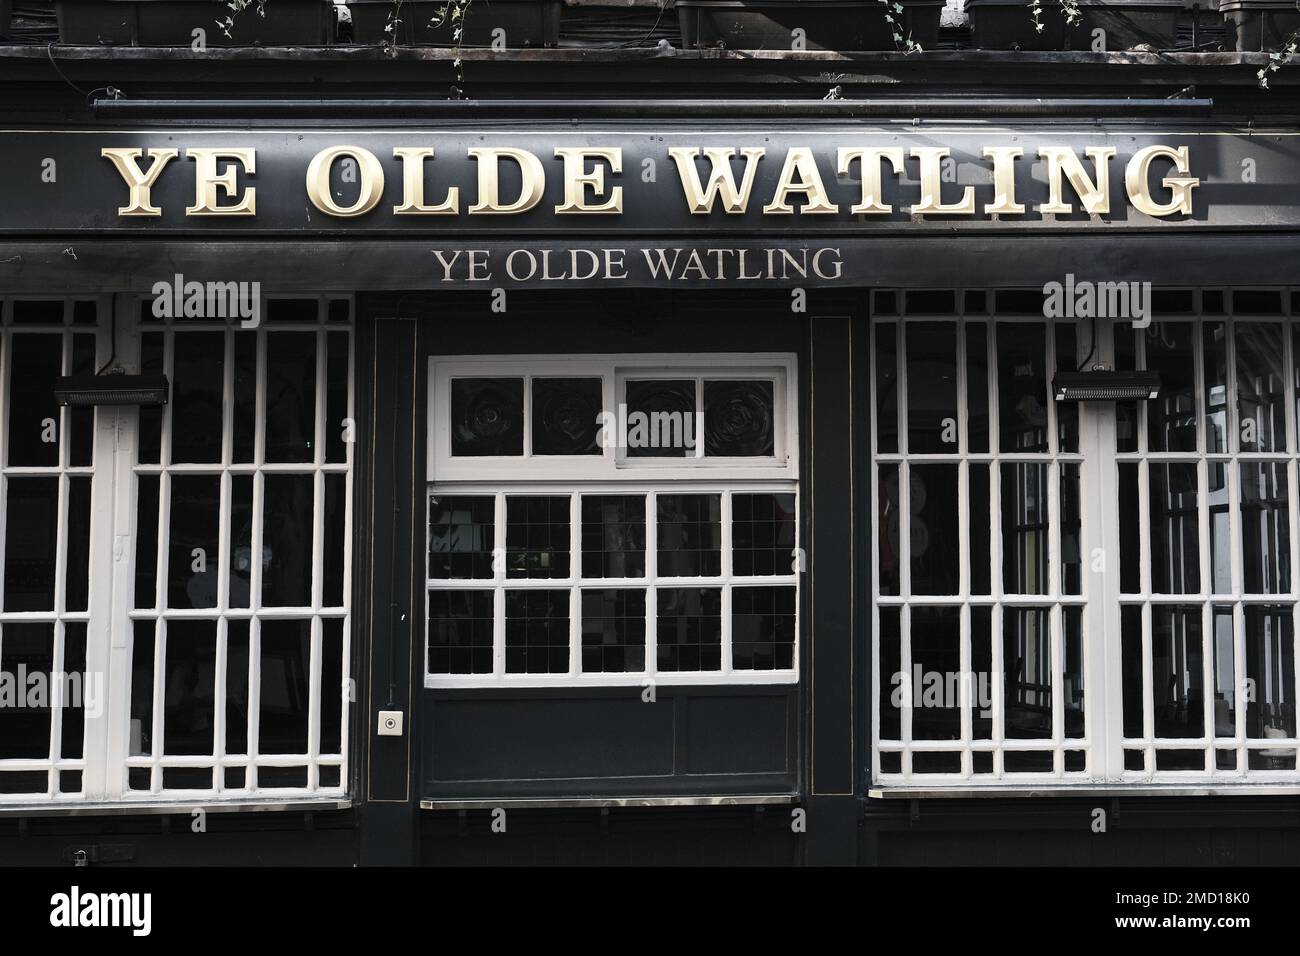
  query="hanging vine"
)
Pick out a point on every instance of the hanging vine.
point(1069, 10)
point(1279, 58)
point(904, 44)
point(237, 7)
point(454, 12)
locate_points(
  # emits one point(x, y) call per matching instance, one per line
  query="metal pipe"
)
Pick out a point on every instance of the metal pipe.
point(123, 108)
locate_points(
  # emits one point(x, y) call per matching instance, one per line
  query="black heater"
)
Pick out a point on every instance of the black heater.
point(1105, 385)
point(111, 389)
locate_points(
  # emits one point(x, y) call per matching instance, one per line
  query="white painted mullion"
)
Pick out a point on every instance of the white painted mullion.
point(726, 595)
point(651, 592)
point(1056, 642)
point(159, 695)
point(965, 687)
point(219, 696)
point(314, 704)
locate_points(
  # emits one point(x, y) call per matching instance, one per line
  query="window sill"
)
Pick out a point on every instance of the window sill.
point(1088, 790)
point(558, 803)
point(164, 807)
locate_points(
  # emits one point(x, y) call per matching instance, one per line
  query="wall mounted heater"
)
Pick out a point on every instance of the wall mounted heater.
point(1105, 385)
point(111, 389)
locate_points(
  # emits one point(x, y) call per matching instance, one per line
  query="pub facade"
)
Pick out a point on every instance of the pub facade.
point(599, 453)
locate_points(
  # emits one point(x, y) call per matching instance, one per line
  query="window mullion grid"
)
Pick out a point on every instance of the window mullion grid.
point(318, 561)
point(314, 704)
point(575, 592)
point(1200, 407)
point(725, 623)
point(255, 577)
point(499, 585)
point(652, 575)
point(159, 690)
point(224, 563)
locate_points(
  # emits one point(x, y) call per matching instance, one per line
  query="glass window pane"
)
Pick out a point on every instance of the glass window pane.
point(151, 416)
point(1261, 384)
point(82, 420)
point(1225, 674)
point(1265, 528)
point(891, 675)
point(1175, 523)
point(335, 531)
point(739, 419)
point(1216, 386)
point(977, 387)
point(1130, 530)
point(887, 388)
point(660, 419)
point(762, 534)
point(1067, 413)
point(1025, 549)
point(1222, 541)
point(932, 529)
point(287, 536)
point(189, 686)
point(1027, 660)
point(1073, 668)
point(1171, 419)
point(30, 543)
point(79, 696)
point(142, 688)
point(290, 396)
point(1270, 668)
point(198, 396)
point(241, 540)
point(1126, 413)
point(985, 683)
point(613, 630)
point(981, 554)
point(237, 645)
point(487, 416)
point(689, 630)
point(936, 664)
point(193, 539)
point(337, 432)
point(1071, 527)
point(285, 696)
point(460, 632)
point(566, 416)
point(26, 648)
point(931, 387)
point(537, 536)
point(613, 536)
point(537, 632)
point(1131, 669)
point(762, 628)
point(244, 413)
point(461, 536)
point(888, 520)
point(36, 360)
point(1178, 675)
point(333, 690)
point(689, 535)
point(1022, 386)
point(77, 569)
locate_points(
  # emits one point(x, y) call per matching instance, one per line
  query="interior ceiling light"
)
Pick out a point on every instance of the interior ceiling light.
point(115, 388)
point(1105, 385)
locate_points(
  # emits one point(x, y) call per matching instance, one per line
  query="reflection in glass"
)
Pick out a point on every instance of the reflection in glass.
point(1171, 419)
point(189, 686)
point(537, 536)
point(1073, 667)
point(931, 387)
point(1261, 384)
point(1025, 549)
point(689, 535)
point(287, 540)
point(566, 416)
point(487, 416)
point(1027, 662)
point(461, 536)
point(1270, 668)
point(193, 558)
point(1175, 539)
point(32, 510)
point(1178, 675)
point(933, 529)
point(1216, 386)
point(613, 536)
point(888, 561)
point(689, 629)
point(1265, 528)
point(1022, 386)
point(1225, 671)
point(739, 419)
point(284, 689)
point(1222, 541)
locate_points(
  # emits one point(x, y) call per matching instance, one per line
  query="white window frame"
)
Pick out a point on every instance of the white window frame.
point(115, 471)
point(610, 474)
point(1102, 599)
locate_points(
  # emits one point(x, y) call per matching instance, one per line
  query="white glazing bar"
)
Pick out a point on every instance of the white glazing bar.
point(726, 596)
point(499, 580)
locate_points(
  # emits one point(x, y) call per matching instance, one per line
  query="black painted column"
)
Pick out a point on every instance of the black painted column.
point(389, 809)
point(832, 680)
